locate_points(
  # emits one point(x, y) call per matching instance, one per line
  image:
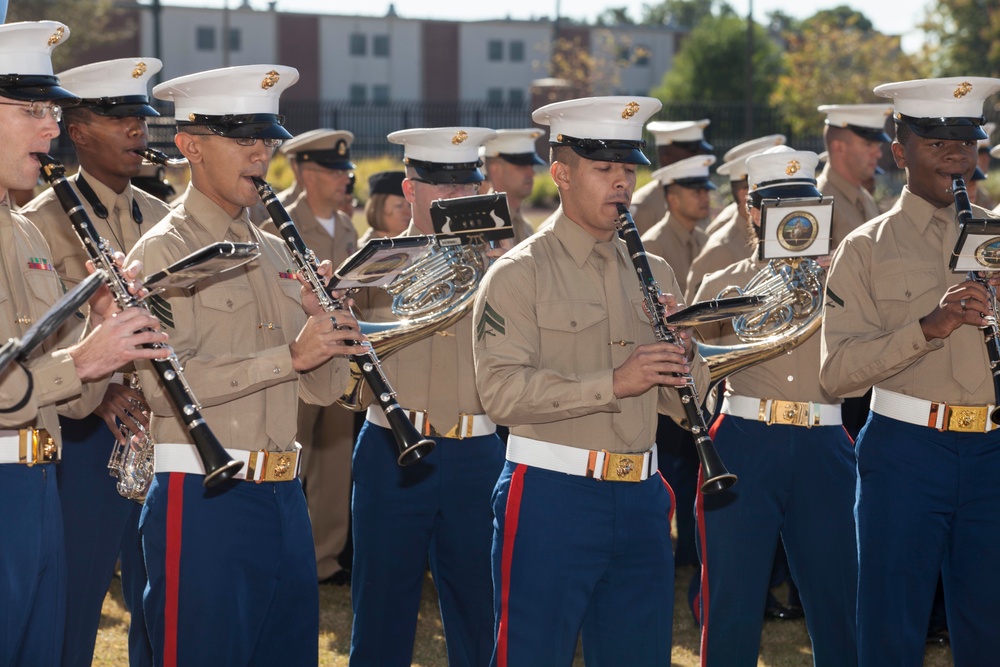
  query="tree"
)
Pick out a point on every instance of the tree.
point(710, 65)
point(833, 62)
point(841, 17)
point(683, 13)
point(615, 16)
point(92, 23)
point(964, 37)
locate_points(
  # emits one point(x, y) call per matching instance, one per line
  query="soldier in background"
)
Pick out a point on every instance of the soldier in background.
point(509, 166)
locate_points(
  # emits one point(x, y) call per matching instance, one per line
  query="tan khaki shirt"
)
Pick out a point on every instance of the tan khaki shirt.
point(722, 218)
point(29, 286)
point(728, 245)
point(336, 248)
point(522, 228)
point(793, 376)
point(232, 333)
point(671, 241)
point(886, 276)
point(649, 205)
point(544, 359)
point(435, 374)
point(852, 204)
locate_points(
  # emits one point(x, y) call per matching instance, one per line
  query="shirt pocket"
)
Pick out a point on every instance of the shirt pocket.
point(225, 297)
point(44, 285)
point(574, 334)
point(906, 295)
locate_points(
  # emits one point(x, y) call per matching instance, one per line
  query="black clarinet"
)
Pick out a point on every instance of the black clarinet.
point(991, 331)
point(219, 466)
point(412, 446)
point(714, 474)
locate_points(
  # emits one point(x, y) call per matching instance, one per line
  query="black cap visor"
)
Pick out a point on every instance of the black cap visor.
point(446, 173)
point(955, 129)
point(521, 159)
point(128, 106)
point(804, 189)
point(871, 134)
point(329, 159)
point(697, 147)
point(257, 125)
point(605, 150)
point(695, 183)
point(33, 87)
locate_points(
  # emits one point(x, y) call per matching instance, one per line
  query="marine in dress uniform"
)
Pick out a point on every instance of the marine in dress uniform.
point(106, 126)
point(386, 211)
point(675, 141)
point(326, 433)
point(232, 570)
point(436, 511)
point(731, 240)
point(782, 432)
point(509, 161)
point(980, 197)
point(32, 557)
point(565, 355)
point(899, 319)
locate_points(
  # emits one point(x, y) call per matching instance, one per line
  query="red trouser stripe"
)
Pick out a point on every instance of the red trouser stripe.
point(702, 599)
point(511, 513)
point(673, 499)
point(172, 575)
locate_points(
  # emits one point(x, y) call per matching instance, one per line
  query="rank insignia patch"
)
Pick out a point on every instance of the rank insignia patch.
point(490, 324)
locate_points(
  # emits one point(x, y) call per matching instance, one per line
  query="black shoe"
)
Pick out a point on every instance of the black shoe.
point(779, 612)
point(338, 578)
point(938, 637)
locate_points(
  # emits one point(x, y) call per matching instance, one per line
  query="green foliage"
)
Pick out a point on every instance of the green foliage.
point(710, 65)
point(964, 37)
point(684, 13)
point(92, 23)
point(836, 59)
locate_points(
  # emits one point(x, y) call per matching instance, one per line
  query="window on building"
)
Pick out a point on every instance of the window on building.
point(380, 94)
point(641, 56)
point(516, 97)
point(516, 51)
point(358, 93)
point(359, 44)
point(494, 49)
point(494, 96)
point(380, 46)
point(235, 39)
point(204, 38)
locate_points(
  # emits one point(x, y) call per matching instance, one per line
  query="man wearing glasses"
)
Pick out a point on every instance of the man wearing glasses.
point(439, 508)
point(232, 576)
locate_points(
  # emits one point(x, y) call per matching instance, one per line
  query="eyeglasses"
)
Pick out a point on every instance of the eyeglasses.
point(38, 109)
point(252, 141)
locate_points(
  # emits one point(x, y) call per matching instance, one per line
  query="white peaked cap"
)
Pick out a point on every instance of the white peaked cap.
point(600, 128)
point(735, 165)
point(693, 171)
point(246, 89)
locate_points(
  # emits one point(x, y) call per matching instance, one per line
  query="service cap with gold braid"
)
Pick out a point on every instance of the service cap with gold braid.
point(325, 147)
point(444, 155)
point(114, 87)
point(782, 173)
point(26, 61)
point(604, 129)
point(236, 102)
point(865, 120)
point(514, 146)
point(946, 108)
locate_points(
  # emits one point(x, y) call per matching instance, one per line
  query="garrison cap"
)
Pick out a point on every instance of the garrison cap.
point(113, 87)
point(231, 102)
point(444, 155)
point(386, 183)
point(605, 129)
point(735, 165)
point(687, 134)
point(865, 120)
point(782, 173)
point(327, 148)
point(26, 61)
point(946, 108)
point(514, 146)
point(690, 172)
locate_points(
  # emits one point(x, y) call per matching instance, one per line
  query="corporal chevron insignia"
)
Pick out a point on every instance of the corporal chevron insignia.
point(493, 320)
point(161, 308)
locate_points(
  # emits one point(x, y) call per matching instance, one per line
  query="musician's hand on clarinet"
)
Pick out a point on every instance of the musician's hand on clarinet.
point(310, 302)
point(965, 303)
point(123, 404)
point(117, 341)
point(649, 366)
point(683, 334)
point(102, 304)
point(325, 336)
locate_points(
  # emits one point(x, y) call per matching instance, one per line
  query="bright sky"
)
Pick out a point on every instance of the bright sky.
point(888, 17)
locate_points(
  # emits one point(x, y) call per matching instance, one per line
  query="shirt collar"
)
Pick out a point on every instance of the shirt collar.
point(106, 195)
point(851, 192)
point(921, 211)
point(210, 215)
point(578, 242)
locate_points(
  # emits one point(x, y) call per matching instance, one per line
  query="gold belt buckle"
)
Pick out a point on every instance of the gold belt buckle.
point(41, 445)
point(425, 429)
point(463, 429)
point(790, 413)
point(965, 419)
point(622, 467)
point(278, 466)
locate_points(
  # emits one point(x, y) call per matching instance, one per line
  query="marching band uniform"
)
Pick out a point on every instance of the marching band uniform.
point(100, 525)
point(569, 552)
point(782, 433)
point(326, 433)
point(437, 510)
point(232, 572)
point(922, 459)
point(675, 140)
